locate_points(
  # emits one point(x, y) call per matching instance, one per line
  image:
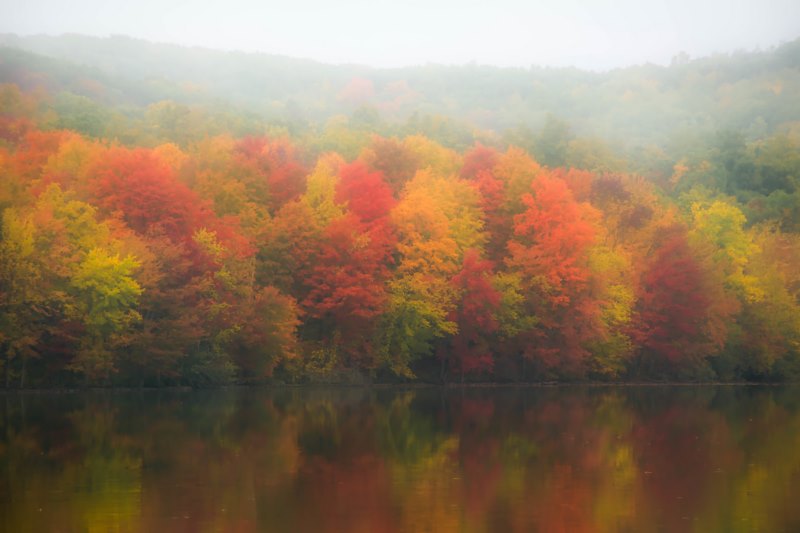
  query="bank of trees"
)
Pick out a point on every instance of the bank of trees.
point(254, 258)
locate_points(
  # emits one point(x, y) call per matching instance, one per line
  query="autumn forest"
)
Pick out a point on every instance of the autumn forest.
point(176, 244)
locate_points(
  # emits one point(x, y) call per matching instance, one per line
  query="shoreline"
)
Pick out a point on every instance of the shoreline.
point(398, 386)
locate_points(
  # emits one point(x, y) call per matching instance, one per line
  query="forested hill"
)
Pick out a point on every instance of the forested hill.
point(757, 93)
point(183, 216)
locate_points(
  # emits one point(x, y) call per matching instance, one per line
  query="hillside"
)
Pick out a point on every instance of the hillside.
point(185, 216)
point(755, 92)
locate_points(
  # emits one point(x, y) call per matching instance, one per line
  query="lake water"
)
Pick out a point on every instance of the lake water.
point(370, 460)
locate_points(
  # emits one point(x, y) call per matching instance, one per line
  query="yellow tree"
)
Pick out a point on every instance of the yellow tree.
point(65, 267)
point(437, 221)
point(105, 299)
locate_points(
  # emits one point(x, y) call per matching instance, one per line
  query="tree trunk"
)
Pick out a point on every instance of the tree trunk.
point(22, 372)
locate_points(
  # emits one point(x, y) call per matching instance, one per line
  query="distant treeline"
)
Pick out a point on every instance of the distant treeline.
point(106, 86)
point(169, 246)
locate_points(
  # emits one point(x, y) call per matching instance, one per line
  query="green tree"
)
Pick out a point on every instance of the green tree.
point(552, 144)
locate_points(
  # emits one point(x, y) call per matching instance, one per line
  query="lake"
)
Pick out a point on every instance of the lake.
point(639, 458)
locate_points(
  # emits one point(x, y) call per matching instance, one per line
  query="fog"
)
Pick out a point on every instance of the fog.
point(593, 34)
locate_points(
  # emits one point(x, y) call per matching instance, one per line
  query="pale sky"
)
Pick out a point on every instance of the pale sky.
point(595, 34)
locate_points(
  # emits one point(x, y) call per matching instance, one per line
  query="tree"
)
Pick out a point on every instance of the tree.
point(478, 160)
point(550, 253)
point(365, 193)
point(764, 344)
point(271, 163)
point(144, 190)
point(552, 143)
point(268, 336)
point(416, 316)
point(106, 295)
point(431, 155)
point(62, 273)
point(288, 249)
point(477, 302)
point(17, 110)
point(552, 236)
point(437, 221)
point(347, 282)
point(613, 287)
point(321, 187)
point(393, 158)
point(502, 191)
point(171, 307)
point(720, 225)
point(23, 294)
point(671, 311)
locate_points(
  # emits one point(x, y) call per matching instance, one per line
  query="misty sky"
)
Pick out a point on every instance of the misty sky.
point(595, 34)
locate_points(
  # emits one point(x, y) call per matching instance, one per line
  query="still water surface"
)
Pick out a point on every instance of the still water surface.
point(536, 459)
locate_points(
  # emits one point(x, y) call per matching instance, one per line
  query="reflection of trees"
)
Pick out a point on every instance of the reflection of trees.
point(421, 453)
point(547, 459)
point(73, 472)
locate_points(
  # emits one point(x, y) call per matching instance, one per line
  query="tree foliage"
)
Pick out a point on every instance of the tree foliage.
point(171, 256)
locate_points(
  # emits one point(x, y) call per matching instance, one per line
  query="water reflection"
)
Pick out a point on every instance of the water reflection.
point(548, 459)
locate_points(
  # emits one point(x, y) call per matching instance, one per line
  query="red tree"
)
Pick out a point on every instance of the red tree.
point(347, 283)
point(144, 190)
point(475, 315)
point(275, 174)
point(348, 279)
point(478, 167)
point(151, 200)
point(673, 304)
point(366, 193)
point(479, 159)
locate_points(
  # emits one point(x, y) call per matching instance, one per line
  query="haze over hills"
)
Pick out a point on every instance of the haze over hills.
point(754, 92)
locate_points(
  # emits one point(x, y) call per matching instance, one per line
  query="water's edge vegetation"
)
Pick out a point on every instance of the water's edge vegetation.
point(152, 236)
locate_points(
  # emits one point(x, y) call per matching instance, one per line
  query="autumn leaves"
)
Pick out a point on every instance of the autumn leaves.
point(247, 258)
